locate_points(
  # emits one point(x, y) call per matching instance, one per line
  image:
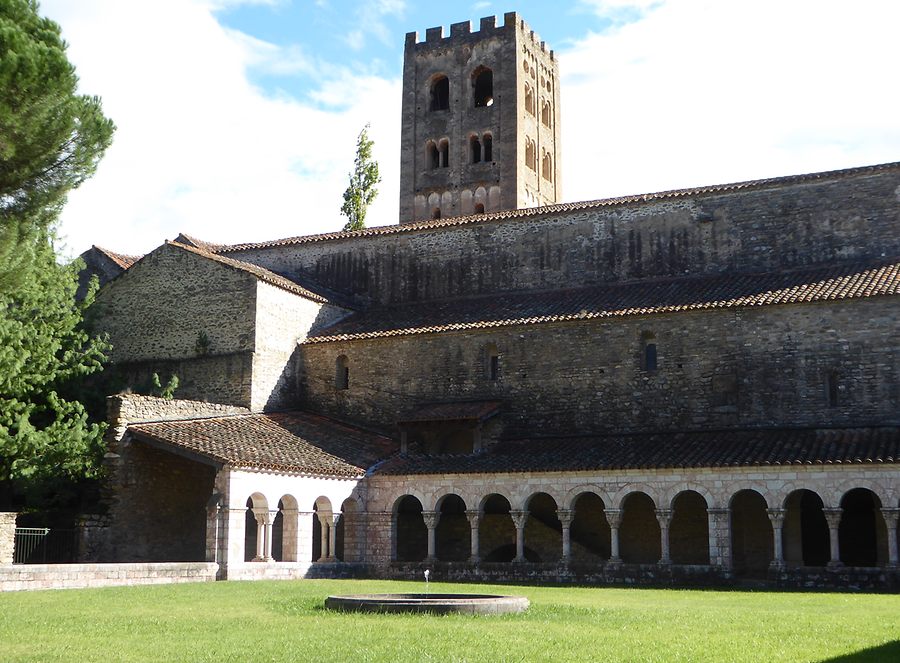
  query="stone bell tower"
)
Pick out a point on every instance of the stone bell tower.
point(481, 121)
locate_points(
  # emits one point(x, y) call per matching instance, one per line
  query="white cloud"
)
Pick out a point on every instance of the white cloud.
point(199, 149)
point(702, 92)
point(370, 15)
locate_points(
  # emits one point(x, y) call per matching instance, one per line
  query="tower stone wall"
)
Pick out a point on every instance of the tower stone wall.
point(480, 121)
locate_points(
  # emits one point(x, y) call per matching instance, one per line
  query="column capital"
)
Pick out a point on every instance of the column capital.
point(336, 517)
point(263, 516)
point(613, 517)
point(519, 518)
point(776, 516)
point(833, 516)
point(474, 516)
point(891, 516)
point(431, 518)
point(566, 516)
point(664, 516)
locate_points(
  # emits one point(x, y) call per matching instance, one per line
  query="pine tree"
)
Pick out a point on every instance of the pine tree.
point(361, 191)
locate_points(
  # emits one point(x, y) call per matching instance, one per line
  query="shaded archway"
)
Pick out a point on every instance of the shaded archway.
point(689, 529)
point(805, 532)
point(348, 534)
point(496, 532)
point(639, 533)
point(752, 539)
point(252, 527)
point(589, 532)
point(411, 535)
point(862, 534)
point(453, 535)
point(543, 531)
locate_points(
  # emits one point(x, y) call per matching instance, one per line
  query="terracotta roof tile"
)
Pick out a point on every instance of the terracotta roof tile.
point(624, 299)
point(550, 210)
point(699, 449)
point(286, 441)
point(120, 259)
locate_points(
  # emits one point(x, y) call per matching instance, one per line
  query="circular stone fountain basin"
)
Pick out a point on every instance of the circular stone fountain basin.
point(478, 604)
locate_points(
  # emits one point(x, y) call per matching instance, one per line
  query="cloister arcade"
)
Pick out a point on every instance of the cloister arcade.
point(751, 532)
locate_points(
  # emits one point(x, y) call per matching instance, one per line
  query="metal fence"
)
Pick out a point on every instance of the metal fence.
point(40, 545)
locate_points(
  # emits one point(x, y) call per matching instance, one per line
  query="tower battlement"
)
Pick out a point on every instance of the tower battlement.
point(488, 27)
point(480, 121)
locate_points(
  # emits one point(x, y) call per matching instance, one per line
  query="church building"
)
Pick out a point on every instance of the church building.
point(689, 387)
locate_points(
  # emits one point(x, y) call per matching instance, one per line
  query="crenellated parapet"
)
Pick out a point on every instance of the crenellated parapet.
point(461, 33)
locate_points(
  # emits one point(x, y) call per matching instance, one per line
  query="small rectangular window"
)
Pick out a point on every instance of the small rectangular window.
point(650, 357)
point(832, 390)
point(495, 367)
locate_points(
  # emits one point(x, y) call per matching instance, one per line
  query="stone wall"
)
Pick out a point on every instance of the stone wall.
point(74, 576)
point(834, 217)
point(763, 366)
point(7, 537)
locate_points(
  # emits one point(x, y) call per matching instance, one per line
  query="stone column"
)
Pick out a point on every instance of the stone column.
point(891, 516)
point(519, 520)
point(776, 517)
point(833, 516)
point(474, 523)
point(332, 537)
point(614, 518)
point(325, 522)
point(720, 537)
point(7, 538)
point(235, 539)
point(263, 535)
point(431, 519)
point(214, 538)
point(664, 517)
point(566, 516)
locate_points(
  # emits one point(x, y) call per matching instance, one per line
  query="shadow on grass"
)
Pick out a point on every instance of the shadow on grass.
point(889, 652)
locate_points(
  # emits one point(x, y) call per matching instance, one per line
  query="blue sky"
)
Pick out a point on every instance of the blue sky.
point(238, 118)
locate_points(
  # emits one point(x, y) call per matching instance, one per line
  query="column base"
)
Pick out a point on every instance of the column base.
point(262, 559)
point(519, 560)
point(474, 560)
point(664, 562)
point(430, 560)
point(777, 566)
point(834, 565)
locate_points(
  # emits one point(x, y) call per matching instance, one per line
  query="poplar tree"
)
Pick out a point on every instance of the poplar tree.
point(51, 140)
point(361, 191)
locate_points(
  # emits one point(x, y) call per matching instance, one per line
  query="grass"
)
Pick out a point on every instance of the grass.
point(251, 622)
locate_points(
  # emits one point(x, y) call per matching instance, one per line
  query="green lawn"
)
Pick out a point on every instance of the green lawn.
point(247, 622)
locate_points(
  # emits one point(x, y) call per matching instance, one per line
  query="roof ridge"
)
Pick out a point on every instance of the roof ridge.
point(548, 210)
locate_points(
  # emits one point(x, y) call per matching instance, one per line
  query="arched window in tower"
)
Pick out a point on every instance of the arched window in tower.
point(440, 93)
point(445, 153)
point(529, 153)
point(432, 156)
point(474, 150)
point(529, 99)
point(479, 208)
point(545, 114)
point(487, 147)
point(342, 373)
point(483, 82)
point(547, 167)
point(436, 213)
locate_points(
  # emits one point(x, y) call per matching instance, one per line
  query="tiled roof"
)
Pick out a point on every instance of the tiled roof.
point(286, 441)
point(637, 298)
point(479, 410)
point(699, 449)
point(120, 259)
point(269, 277)
point(198, 243)
point(550, 210)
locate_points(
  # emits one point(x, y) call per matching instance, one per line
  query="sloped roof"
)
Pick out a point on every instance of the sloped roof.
point(699, 449)
point(624, 299)
point(550, 210)
point(287, 441)
point(268, 277)
point(120, 259)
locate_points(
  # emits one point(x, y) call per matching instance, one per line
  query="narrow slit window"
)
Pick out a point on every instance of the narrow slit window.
point(342, 373)
point(475, 146)
point(833, 390)
point(433, 156)
point(492, 362)
point(445, 152)
point(487, 144)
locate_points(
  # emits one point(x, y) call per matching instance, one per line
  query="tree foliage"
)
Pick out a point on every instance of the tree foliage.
point(51, 140)
point(361, 191)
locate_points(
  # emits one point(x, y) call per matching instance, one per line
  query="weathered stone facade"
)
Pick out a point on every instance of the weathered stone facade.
point(698, 386)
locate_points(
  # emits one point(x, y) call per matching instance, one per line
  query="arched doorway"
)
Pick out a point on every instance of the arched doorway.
point(543, 531)
point(805, 531)
point(496, 533)
point(862, 534)
point(639, 533)
point(689, 529)
point(410, 532)
point(589, 532)
point(752, 539)
point(453, 536)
